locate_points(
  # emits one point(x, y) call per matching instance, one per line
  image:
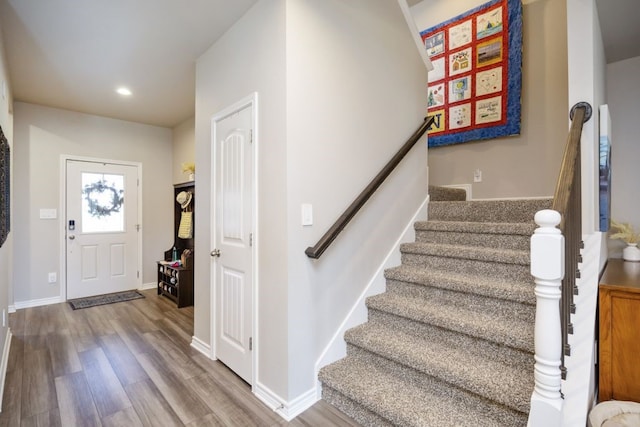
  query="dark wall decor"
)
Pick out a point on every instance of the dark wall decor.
point(474, 89)
point(5, 174)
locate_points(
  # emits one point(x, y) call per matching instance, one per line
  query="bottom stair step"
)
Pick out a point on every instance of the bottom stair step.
point(368, 384)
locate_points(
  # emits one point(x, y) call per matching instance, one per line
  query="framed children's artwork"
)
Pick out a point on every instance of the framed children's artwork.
point(474, 89)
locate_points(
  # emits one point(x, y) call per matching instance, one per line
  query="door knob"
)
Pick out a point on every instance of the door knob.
point(215, 253)
point(71, 237)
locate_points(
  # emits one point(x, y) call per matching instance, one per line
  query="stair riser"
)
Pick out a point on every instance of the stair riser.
point(498, 241)
point(521, 292)
point(490, 350)
point(523, 341)
point(503, 415)
point(488, 211)
point(484, 268)
point(353, 409)
point(478, 303)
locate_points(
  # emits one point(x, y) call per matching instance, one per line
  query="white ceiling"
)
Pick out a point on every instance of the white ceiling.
point(73, 54)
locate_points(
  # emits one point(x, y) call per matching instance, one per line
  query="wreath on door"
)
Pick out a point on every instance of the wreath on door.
point(103, 199)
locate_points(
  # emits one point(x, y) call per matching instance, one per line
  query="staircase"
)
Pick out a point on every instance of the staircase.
point(450, 342)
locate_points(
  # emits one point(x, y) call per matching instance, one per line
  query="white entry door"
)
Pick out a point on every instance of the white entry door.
point(232, 257)
point(101, 228)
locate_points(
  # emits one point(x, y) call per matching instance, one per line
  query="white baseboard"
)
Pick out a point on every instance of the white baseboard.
point(287, 410)
point(201, 346)
point(4, 364)
point(337, 348)
point(145, 286)
point(37, 302)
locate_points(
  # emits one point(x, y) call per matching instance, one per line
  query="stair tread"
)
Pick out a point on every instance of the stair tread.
point(494, 327)
point(451, 341)
point(401, 402)
point(488, 210)
point(505, 256)
point(463, 366)
point(509, 228)
point(507, 289)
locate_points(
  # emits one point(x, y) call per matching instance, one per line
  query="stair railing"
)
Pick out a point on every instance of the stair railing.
point(318, 249)
point(555, 258)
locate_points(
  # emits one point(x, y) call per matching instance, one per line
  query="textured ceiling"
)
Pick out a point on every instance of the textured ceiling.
point(73, 54)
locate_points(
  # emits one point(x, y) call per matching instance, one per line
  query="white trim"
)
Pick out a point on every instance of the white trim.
point(63, 215)
point(286, 409)
point(147, 286)
point(12, 308)
point(201, 346)
point(406, 11)
point(337, 348)
point(19, 305)
point(252, 101)
point(4, 364)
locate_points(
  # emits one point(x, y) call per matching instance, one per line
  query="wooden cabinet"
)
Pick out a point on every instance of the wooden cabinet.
point(619, 299)
point(176, 281)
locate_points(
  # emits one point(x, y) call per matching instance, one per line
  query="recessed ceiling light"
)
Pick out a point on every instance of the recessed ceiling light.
point(123, 91)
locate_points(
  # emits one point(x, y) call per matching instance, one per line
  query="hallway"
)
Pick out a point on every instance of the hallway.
point(127, 364)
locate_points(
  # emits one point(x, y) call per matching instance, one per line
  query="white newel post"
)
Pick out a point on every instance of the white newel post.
point(547, 268)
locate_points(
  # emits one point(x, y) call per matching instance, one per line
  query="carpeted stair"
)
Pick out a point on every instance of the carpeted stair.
point(450, 342)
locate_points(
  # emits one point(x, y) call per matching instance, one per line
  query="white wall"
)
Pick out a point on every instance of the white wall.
point(623, 97)
point(184, 146)
point(355, 93)
point(526, 165)
point(6, 251)
point(249, 57)
point(42, 135)
point(340, 90)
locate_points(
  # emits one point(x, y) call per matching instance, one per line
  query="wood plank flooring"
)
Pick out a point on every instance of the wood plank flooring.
point(127, 364)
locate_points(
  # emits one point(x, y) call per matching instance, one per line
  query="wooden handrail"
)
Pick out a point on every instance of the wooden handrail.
point(318, 249)
point(567, 200)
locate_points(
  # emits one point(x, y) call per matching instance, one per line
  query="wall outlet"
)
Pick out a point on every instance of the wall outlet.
point(477, 175)
point(53, 277)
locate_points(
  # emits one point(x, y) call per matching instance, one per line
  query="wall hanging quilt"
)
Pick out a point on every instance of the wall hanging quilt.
point(474, 89)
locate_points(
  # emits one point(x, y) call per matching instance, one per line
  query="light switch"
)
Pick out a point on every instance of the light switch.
point(48, 213)
point(307, 214)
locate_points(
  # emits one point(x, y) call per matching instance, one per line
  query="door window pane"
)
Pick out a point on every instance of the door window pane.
point(102, 203)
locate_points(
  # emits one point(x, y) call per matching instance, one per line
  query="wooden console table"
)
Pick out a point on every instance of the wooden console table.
point(619, 299)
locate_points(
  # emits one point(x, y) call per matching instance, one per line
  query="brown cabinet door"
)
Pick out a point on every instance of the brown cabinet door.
point(619, 345)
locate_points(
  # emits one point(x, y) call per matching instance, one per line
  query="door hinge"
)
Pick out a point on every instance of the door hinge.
point(137, 227)
point(250, 343)
point(251, 136)
point(250, 239)
point(138, 274)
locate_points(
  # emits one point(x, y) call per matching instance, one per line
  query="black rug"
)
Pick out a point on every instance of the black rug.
point(87, 302)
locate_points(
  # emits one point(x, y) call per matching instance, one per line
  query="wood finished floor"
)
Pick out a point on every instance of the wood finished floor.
point(127, 364)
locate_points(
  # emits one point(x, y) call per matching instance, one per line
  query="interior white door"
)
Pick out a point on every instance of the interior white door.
point(101, 228)
point(233, 256)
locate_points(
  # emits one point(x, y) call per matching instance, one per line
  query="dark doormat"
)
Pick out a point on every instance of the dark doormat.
point(87, 302)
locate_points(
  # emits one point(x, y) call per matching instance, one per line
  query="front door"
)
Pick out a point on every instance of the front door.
point(101, 228)
point(232, 257)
